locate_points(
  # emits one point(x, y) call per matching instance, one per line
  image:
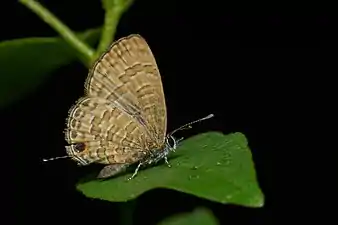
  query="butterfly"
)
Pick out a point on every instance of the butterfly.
point(122, 118)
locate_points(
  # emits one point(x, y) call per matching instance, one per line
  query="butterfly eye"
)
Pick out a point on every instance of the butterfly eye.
point(80, 147)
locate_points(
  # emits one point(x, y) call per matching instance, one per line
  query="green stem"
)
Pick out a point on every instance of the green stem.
point(114, 10)
point(111, 20)
point(85, 51)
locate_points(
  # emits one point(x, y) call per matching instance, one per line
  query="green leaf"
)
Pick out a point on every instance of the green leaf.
point(26, 63)
point(199, 216)
point(211, 165)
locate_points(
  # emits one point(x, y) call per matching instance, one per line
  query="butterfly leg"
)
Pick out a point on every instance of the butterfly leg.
point(166, 161)
point(135, 172)
point(178, 142)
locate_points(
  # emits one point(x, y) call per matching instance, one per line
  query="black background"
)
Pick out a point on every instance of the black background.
point(263, 69)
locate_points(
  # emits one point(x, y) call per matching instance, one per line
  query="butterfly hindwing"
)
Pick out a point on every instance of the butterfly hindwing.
point(108, 135)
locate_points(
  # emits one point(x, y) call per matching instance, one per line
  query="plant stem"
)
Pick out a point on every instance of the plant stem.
point(85, 51)
point(111, 20)
point(114, 10)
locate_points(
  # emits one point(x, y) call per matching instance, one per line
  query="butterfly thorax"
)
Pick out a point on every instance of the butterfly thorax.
point(155, 155)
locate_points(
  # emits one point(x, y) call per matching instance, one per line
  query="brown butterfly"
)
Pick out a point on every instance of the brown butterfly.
point(122, 118)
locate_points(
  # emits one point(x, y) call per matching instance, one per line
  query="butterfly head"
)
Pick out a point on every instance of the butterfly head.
point(171, 143)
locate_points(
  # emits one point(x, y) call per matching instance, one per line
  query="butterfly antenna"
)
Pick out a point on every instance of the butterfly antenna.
point(55, 158)
point(188, 125)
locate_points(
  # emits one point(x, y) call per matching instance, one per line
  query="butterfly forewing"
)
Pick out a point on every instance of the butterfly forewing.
point(127, 76)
